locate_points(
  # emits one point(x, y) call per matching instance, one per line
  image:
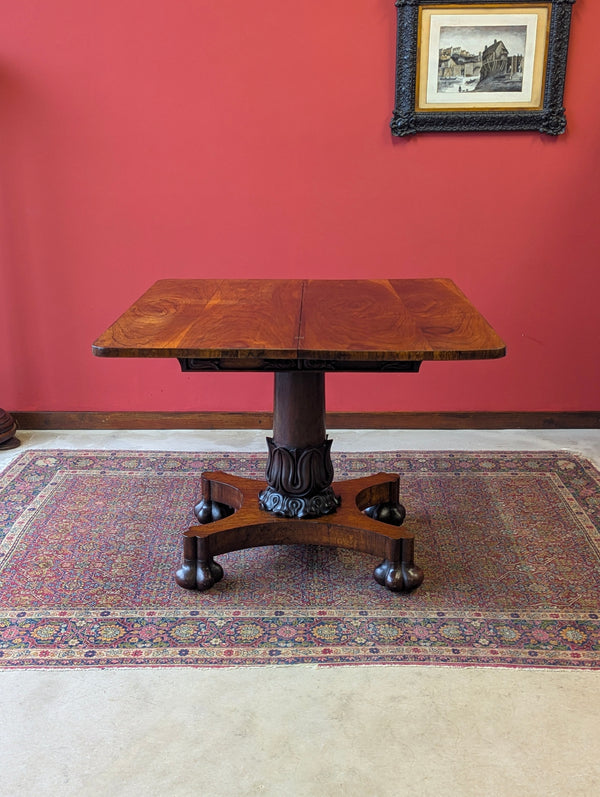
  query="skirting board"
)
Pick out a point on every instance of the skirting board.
point(335, 420)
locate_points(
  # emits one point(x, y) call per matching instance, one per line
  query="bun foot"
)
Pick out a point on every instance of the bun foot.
point(207, 574)
point(186, 575)
point(197, 573)
point(388, 512)
point(398, 576)
point(208, 511)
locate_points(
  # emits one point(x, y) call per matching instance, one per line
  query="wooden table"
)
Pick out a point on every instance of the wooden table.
point(301, 329)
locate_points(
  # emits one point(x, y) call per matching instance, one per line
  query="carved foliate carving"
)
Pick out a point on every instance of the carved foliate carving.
point(299, 481)
point(365, 366)
point(299, 471)
point(235, 364)
point(292, 506)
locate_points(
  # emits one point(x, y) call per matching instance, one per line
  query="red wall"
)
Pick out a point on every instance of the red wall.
point(142, 139)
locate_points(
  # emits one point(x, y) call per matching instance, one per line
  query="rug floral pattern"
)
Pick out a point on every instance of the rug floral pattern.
point(509, 542)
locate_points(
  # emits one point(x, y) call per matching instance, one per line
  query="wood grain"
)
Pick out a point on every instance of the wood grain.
point(337, 320)
point(208, 319)
point(411, 319)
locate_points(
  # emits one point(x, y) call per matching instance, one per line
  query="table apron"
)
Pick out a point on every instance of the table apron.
point(193, 364)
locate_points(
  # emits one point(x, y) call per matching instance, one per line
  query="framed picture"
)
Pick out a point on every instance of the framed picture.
point(481, 65)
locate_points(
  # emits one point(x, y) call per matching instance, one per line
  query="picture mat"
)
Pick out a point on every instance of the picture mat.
point(431, 21)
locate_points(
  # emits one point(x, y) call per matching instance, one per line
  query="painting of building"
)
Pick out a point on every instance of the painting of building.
point(500, 71)
point(481, 58)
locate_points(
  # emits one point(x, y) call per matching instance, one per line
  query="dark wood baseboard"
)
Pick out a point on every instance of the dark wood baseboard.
point(335, 420)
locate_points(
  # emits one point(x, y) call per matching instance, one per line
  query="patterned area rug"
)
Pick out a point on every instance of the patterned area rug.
point(509, 543)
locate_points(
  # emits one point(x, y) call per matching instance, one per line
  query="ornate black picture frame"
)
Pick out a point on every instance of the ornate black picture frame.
point(481, 65)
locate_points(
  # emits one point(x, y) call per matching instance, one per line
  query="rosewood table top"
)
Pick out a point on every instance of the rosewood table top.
point(310, 324)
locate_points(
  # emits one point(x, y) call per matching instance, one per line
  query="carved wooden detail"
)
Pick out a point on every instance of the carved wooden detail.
point(364, 366)
point(299, 471)
point(195, 364)
point(299, 481)
point(550, 119)
point(190, 364)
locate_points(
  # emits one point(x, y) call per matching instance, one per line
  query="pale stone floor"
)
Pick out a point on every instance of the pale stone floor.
point(300, 730)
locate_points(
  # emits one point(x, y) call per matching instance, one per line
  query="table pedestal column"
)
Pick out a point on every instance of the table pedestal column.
point(299, 470)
